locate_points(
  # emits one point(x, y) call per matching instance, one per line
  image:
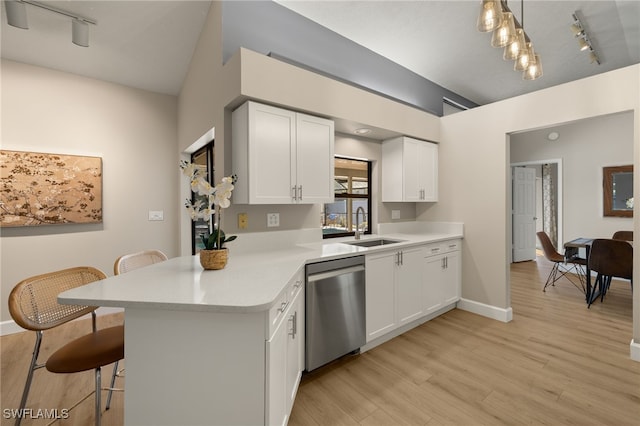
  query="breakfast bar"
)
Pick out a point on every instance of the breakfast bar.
point(202, 347)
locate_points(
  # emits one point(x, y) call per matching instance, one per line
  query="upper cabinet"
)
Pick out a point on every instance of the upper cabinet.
point(281, 156)
point(409, 170)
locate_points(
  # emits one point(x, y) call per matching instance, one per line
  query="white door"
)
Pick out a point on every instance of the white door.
point(524, 214)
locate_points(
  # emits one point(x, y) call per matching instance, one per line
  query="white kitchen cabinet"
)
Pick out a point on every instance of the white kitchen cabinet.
point(281, 156)
point(380, 294)
point(441, 282)
point(285, 353)
point(409, 170)
point(394, 290)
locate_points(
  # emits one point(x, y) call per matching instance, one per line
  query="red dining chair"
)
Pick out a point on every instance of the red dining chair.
point(610, 258)
point(574, 264)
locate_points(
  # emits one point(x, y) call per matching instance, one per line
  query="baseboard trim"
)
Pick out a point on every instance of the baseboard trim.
point(489, 311)
point(634, 350)
point(10, 327)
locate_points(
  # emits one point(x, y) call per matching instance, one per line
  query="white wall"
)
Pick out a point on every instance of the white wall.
point(584, 147)
point(134, 132)
point(474, 164)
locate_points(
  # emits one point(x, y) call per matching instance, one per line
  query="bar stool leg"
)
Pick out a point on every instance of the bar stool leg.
point(98, 402)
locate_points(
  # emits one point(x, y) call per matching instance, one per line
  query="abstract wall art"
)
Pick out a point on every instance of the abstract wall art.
point(46, 189)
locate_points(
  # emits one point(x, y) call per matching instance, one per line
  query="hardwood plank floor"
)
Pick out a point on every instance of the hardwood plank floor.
point(556, 363)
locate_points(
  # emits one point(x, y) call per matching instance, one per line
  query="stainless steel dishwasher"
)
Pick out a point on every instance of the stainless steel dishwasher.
point(335, 309)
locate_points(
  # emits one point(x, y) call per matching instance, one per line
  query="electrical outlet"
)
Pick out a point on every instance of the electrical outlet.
point(243, 221)
point(395, 214)
point(273, 219)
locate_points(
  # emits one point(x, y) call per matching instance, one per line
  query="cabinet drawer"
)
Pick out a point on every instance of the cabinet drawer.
point(442, 247)
point(277, 311)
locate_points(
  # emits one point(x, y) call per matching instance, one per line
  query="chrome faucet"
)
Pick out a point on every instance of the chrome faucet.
point(358, 222)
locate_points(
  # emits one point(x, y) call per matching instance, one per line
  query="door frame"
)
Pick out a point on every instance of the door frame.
point(559, 211)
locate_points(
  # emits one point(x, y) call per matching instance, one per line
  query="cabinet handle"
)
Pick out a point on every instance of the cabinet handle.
point(300, 195)
point(435, 250)
point(283, 306)
point(442, 263)
point(452, 246)
point(398, 258)
point(298, 284)
point(402, 258)
point(294, 192)
point(294, 324)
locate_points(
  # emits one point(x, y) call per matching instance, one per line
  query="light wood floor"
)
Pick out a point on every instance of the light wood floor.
point(556, 363)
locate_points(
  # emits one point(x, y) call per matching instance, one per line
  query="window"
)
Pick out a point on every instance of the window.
point(204, 158)
point(351, 189)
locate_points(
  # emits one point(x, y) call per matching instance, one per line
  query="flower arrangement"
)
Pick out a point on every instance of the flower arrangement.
point(210, 199)
point(629, 203)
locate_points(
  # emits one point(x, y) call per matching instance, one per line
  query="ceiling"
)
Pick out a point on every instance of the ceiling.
point(148, 44)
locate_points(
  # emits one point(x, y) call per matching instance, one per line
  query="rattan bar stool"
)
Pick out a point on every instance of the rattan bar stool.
point(33, 306)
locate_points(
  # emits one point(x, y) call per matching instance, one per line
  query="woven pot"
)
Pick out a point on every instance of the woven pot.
point(213, 259)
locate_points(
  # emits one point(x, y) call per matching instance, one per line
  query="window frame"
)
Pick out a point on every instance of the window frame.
point(354, 197)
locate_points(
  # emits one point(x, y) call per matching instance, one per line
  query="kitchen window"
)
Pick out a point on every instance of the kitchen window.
point(352, 179)
point(202, 157)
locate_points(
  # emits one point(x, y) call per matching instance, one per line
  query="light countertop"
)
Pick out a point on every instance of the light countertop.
point(251, 281)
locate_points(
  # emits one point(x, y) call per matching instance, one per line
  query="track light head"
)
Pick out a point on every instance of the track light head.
point(80, 33)
point(16, 14)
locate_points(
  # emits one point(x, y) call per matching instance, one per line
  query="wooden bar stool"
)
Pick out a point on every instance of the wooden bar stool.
point(33, 306)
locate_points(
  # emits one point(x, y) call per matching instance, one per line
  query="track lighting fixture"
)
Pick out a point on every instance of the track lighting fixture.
point(17, 17)
point(584, 42)
point(508, 33)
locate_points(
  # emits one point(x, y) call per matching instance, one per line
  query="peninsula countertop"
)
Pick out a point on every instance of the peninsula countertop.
point(251, 281)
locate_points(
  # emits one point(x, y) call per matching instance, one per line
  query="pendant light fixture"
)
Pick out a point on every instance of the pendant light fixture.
point(505, 33)
point(490, 16)
point(510, 34)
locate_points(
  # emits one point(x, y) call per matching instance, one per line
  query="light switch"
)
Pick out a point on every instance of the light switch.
point(156, 215)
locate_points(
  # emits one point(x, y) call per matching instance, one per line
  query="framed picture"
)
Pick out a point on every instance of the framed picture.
point(47, 189)
point(618, 191)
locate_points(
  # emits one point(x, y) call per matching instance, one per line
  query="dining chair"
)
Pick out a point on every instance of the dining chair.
point(129, 262)
point(610, 258)
point(574, 264)
point(623, 235)
point(33, 306)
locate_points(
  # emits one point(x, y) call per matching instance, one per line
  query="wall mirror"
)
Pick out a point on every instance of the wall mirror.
point(618, 191)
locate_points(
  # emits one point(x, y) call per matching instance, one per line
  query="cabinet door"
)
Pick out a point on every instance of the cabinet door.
point(295, 348)
point(428, 171)
point(411, 158)
point(271, 153)
point(451, 281)
point(314, 165)
point(276, 398)
point(433, 283)
point(380, 294)
point(409, 285)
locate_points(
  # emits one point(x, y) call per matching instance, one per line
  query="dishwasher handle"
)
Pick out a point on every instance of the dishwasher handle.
point(334, 273)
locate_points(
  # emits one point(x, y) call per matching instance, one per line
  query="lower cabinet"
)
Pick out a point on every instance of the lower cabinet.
point(441, 283)
point(285, 356)
point(394, 287)
point(408, 284)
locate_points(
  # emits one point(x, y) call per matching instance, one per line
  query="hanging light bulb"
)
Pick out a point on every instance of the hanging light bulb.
point(534, 70)
point(512, 50)
point(490, 16)
point(525, 55)
point(505, 33)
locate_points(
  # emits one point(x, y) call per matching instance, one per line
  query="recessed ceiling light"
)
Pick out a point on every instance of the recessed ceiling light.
point(553, 136)
point(362, 131)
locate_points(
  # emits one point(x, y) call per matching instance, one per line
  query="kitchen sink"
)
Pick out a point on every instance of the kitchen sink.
point(373, 242)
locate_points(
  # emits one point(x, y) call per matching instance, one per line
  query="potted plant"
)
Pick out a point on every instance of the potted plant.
point(209, 200)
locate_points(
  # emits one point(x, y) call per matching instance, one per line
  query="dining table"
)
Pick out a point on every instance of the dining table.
point(572, 251)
